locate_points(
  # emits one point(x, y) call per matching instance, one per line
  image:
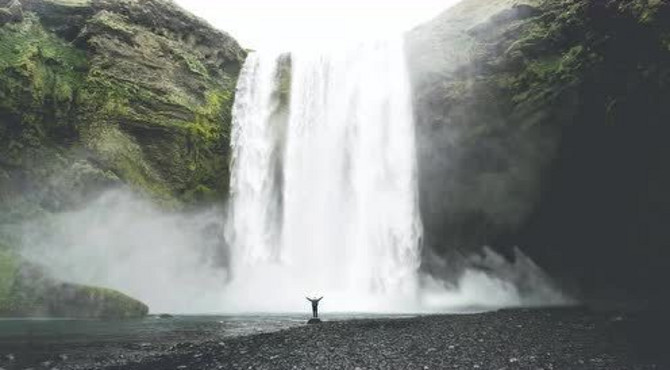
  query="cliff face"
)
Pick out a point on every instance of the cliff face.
point(541, 125)
point(97, 93)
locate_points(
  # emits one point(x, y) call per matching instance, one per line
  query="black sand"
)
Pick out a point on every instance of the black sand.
point(510, 339)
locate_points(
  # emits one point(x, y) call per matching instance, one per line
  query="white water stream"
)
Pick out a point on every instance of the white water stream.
point(325, 197)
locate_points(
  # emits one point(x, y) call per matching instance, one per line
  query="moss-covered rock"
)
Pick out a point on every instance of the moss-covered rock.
point(139, 91)
point(545, 132)
point(26, 292)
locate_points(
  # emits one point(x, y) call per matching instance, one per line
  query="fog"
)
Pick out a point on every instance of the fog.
point(177, 263)
point(174, 262)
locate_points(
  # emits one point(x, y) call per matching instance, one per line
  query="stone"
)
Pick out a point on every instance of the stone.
point(12, 12)
point(314, 321)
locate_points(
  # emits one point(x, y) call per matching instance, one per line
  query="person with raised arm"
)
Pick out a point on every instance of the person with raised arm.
point(315, 306)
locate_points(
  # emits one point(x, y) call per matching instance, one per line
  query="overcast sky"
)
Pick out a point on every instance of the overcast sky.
point(286, 23)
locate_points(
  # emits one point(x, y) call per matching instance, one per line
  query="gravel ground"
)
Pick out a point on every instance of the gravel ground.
point(508, 339)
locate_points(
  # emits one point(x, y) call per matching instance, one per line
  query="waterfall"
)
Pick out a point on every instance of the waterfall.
point(324, 182)
point(324, 194)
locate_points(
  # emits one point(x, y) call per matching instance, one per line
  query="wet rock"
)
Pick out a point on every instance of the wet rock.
point(11, 13)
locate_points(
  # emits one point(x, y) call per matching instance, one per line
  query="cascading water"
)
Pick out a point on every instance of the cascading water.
point(324, 198)
point(324, 193)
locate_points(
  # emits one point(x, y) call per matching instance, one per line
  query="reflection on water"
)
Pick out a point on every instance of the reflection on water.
point(178, 328)
point(32, 341)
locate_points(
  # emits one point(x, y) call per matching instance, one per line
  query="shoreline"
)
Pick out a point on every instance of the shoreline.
point(537, 338)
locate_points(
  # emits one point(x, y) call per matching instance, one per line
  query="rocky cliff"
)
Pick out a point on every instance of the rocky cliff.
point(105, 93)
point(541, 125)
point(97, 93)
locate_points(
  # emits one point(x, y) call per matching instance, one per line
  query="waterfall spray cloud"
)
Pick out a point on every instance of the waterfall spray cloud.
point(173, 262)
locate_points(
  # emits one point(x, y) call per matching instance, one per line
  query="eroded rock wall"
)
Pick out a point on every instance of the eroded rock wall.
point(113, 92)
point(541, 126)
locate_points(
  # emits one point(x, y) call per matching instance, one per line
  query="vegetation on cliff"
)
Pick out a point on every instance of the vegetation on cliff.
point(113, 92)
point(545, 133)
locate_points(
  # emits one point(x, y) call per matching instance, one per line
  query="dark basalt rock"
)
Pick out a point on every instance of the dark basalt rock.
point(314, 321)
point(11, 11)
point(540, 126)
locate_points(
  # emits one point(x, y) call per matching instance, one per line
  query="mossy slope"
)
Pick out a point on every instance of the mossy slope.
point(25, 292)
point(139, 92)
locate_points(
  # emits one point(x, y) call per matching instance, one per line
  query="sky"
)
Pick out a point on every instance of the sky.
point(258, 24)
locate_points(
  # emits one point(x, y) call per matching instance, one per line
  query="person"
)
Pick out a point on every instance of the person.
point(315, 306)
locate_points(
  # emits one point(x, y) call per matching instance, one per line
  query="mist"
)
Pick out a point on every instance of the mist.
point(173, 262)
point(179, 263)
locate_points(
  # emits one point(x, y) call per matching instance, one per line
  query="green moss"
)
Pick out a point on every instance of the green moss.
point(36, 67)
point(108, 303)
point(201, 194)
point(42, 296)
point(113, 22)
point(124, 157)
point(24, 44)
point(644, 10)
point(191, 61)
point(8, 270)
point(39, 77)
point(209, 116)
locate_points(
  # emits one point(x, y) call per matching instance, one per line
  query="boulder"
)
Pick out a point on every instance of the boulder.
point(11, 12)
point(25, 291)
